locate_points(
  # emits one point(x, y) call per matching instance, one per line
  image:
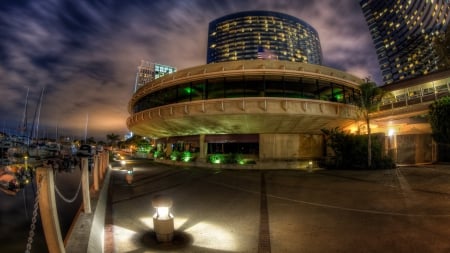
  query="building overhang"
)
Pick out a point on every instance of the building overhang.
point(246, 115)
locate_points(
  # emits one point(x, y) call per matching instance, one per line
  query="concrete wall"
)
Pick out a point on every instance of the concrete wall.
point(414, 149)
point(290, 146)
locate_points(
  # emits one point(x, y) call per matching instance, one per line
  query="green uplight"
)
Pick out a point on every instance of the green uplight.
point(186, 156)
point(217, 158)
point(174, 156)
point(158, 154)
point(188, 90)
point(338, 97)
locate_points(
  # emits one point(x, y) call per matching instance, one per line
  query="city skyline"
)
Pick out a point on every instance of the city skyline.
point(86, 53)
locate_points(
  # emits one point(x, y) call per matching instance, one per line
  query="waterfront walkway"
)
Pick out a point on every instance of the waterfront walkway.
point(400, 210)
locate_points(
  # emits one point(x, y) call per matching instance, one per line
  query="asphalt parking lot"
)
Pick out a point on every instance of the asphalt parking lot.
point(401, 210)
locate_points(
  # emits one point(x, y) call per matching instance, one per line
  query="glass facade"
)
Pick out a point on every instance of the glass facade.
point(403, 32)
point(149, 71)
point(242, 86)
point(262, 35)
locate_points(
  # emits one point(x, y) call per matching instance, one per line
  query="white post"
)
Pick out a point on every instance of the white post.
point(96, 171)
point(85, 185)
point(100, 169)
point(48, 210)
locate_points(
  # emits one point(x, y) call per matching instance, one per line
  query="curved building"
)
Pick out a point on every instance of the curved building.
point(403, 32)
point(268, 110)
point(262, 34)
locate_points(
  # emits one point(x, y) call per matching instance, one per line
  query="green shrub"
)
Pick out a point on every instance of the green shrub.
point(350, 151)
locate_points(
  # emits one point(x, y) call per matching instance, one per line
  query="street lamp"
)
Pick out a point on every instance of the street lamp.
point(310, 166)
point(129, 175)
point(163, 219)
point(26, 162)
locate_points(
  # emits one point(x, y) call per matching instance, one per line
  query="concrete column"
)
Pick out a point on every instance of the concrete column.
point(387, 144)
point(395, 148)
point(203, 148)
point(85, 185)
point(418, 149)
point(168, 149)
point(48, 210)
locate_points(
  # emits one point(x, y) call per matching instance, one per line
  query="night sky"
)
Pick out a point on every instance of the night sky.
point(85, 53)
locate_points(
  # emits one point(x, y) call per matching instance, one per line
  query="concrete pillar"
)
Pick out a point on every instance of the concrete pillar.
point(203, 148)
point(387, 145)
point(418, 149)
point(395, 148)
point(85, 185)
point(48, 210)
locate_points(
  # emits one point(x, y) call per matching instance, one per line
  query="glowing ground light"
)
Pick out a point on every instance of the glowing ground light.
point(205, 235)
point(187, 156)
point(158, 154)
point(123, 238)
point(217, 158)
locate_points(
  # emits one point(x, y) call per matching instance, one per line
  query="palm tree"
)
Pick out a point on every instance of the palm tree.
point(369, 101)
point(112, 138)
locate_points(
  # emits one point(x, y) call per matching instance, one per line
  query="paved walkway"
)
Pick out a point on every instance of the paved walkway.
point(402, 210)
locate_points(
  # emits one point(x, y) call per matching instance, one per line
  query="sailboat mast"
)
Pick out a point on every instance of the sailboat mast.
point(86, 127)
point(39, 113)
point(35, 116)
point(23, 127)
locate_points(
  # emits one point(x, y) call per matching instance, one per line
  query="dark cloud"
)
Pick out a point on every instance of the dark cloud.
point(85, 53)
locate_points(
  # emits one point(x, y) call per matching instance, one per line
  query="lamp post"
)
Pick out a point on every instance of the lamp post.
point(129, 176)
point(130, 172)
point(163, 218)
point(26, 163)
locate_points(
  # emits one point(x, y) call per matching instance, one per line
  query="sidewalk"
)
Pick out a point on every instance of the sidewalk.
point(322, 211)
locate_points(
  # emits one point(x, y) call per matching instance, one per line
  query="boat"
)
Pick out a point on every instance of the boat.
point(15, 177)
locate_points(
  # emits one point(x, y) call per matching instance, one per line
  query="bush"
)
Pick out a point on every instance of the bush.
point(350, 151)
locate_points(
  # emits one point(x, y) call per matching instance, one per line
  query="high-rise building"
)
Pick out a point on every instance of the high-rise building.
point(258, 111)
point(262, 35)
point(149, 71)
point(403, 32)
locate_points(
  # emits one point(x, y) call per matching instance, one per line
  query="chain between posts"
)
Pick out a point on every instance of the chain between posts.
point(34, 218)
point(67, 200)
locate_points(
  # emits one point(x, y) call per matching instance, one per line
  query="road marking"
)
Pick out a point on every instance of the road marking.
point(264, 228)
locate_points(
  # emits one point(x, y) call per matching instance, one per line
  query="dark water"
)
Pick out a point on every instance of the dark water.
point(16, 213)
